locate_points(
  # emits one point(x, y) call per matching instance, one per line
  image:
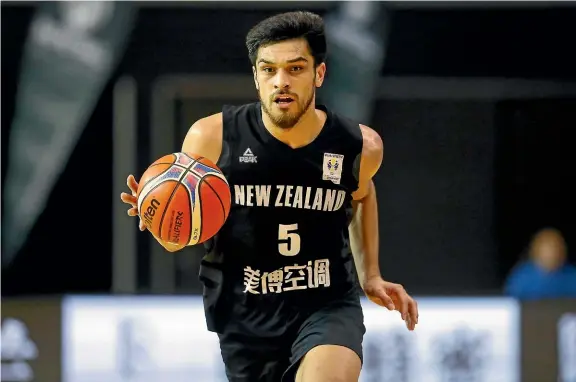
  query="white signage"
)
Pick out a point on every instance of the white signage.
point(159, 339)
point(138, 339)
point(567, 347)
point(457, 339)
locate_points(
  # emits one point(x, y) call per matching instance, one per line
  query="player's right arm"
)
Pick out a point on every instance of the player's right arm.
point(205, 139)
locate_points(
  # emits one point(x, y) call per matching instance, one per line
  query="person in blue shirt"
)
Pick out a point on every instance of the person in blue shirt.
point(546, 273)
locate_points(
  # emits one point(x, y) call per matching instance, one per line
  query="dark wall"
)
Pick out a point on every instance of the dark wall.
point(525, 43)
point(535, 174)
point(500, 42)
point(435, 195)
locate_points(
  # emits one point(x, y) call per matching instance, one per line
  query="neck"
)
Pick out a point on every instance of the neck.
point(303, 132)
point(549, 266)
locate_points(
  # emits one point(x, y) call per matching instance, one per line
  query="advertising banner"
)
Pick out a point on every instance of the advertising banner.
point(457, 340)
point(567, 347)
point(31, 340)
point(138, 339)
point(157, 339)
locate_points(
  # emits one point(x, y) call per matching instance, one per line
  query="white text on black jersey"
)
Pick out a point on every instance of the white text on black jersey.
point(308, 198)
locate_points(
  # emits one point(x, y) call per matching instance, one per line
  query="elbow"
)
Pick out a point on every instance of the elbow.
point(369, 194)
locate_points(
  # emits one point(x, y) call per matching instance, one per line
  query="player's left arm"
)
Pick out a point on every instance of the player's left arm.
point(364, 225)
point(364, 234)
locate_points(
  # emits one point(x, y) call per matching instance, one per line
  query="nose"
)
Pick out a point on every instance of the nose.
point(281, 80)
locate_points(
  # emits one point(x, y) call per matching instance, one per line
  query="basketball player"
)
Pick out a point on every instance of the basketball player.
point(279, 282)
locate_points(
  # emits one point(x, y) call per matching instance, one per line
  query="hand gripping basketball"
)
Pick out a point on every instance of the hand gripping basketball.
point(182, 199)
point(132, 199)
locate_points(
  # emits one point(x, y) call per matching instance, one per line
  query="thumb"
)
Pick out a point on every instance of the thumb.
point(383, 299)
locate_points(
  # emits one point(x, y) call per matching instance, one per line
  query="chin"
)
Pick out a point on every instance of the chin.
point(285, 125)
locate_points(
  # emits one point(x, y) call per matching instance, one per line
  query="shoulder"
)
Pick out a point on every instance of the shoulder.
point(519, 277)
point(372, 144)
point(207, 128)
point(570, 270)
point(372, 150)
point(368, 141)
point(522, 269)
point(370, 161)
point(205, 137)
point(212, 125)
point(523, 266)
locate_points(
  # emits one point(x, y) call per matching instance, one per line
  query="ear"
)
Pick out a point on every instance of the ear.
point(320, 74)
point(255, 77)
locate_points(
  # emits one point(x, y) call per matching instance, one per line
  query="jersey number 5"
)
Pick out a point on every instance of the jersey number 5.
point(288, 239)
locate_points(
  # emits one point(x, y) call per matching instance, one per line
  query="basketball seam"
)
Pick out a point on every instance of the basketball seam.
point(173, 193)
point(198, 187)
point(219, 199)
point(150, 192)
point(191, 213)
point(189, 170)
point(171, 164)
point(154, 177)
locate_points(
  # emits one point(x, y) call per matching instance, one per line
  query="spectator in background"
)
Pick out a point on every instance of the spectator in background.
point(546, 273)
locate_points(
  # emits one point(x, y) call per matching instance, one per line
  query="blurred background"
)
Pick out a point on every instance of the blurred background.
point(476, 104)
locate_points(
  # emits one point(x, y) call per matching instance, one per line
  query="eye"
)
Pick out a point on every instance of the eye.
point(297, 68)
point(267, 70)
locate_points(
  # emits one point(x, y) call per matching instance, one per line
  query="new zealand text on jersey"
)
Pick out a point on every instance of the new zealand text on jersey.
point(309, 198)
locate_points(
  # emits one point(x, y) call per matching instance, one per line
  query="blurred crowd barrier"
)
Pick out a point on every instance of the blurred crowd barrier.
point(164, 338)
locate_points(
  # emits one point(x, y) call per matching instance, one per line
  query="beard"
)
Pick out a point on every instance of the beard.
point(285, 118)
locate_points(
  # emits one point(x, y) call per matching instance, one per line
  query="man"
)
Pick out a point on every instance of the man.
point(279, 285)
point(546, 274)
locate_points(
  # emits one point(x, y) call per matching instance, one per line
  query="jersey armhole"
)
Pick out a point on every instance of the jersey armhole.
point(357, 146)
point(228, 136)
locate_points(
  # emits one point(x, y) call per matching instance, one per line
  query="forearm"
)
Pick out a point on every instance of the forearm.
point(364, 236)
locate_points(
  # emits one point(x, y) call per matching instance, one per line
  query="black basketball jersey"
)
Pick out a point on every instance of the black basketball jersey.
point(284, 248)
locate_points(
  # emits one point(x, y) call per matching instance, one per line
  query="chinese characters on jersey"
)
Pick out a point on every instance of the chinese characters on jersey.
point(292, 277)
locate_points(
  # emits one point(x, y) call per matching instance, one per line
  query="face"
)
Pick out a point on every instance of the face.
point(549, 250)
point(286, 80)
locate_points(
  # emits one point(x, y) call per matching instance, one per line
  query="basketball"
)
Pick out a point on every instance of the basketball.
point(183, 199)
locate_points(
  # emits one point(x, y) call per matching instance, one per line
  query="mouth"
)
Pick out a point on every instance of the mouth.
point(283, 100)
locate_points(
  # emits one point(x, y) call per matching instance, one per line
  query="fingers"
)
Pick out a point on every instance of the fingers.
point(129, 199)
point(412, 316)
point(383, 299)
point(132, 200)
point(134, 212)
point(402, 305)
point(409, 307)
point(132, 184)
point(413, 310)
point(406, 305)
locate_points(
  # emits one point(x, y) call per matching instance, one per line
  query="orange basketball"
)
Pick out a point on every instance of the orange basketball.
point(183, 199)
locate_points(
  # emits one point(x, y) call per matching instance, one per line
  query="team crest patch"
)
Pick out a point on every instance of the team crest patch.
point(332, 168)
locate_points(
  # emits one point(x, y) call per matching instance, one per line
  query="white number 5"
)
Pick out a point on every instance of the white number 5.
point(289, 240)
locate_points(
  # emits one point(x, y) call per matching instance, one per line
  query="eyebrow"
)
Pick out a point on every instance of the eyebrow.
point(297, 59)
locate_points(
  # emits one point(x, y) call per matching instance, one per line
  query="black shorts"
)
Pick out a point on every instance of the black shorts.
point(276, 359)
